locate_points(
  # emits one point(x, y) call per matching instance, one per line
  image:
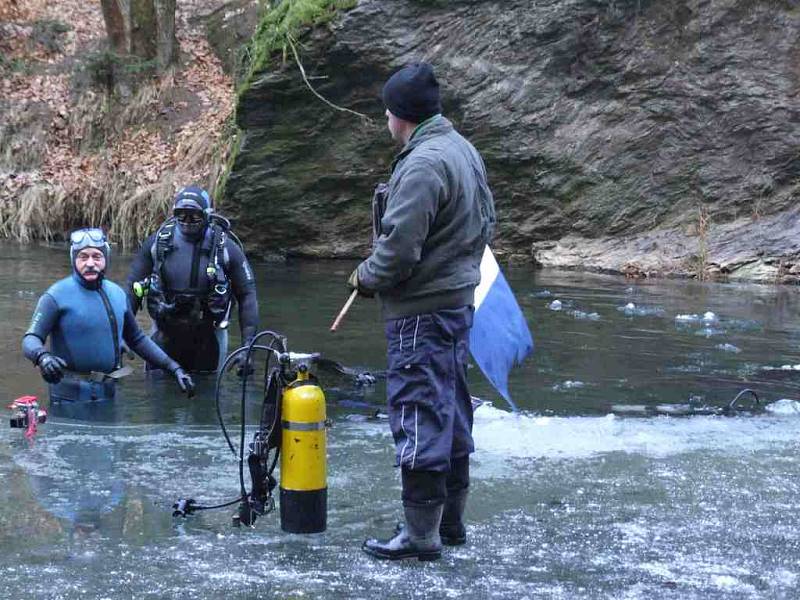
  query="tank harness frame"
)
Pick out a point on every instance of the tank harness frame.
point(218, 302)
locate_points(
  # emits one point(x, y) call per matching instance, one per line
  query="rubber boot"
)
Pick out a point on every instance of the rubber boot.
point(418, 539)
point(452, 530)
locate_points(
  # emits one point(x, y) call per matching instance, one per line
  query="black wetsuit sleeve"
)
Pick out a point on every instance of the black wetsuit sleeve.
point(244, 288)
point(43, 321)
point(141, 267)
point(138, 341)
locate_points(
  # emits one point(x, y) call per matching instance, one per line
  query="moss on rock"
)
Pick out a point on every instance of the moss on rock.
point(282, 24)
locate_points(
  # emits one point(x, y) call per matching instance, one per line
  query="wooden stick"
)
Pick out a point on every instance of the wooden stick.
point(344, 310)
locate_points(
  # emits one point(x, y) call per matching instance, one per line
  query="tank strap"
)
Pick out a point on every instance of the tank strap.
point(163, 245)
point(219, 256)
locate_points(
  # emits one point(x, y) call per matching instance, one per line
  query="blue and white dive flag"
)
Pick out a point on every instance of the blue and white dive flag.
point(500, 337)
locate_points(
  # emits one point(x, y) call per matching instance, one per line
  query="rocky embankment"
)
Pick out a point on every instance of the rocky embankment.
point(637, 136)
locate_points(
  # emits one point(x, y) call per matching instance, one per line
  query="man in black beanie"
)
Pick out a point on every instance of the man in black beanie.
point(431, 224)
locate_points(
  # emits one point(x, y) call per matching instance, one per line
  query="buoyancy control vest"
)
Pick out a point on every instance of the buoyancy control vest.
point(216, 304)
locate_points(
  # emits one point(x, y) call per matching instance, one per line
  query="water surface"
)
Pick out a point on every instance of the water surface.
point(573, 498)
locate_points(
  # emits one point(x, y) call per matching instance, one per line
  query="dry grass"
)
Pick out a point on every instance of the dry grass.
point(128, 212)
point(139, 212)
point(39, 213)
point(702, 227)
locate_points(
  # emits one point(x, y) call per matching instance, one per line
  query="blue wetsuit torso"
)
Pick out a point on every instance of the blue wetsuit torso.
point(88, 324)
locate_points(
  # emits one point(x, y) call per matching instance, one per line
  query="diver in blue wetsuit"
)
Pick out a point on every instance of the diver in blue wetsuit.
point(87, 318)
point(188, 274)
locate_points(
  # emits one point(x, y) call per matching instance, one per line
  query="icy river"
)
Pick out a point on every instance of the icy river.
point(621, 477)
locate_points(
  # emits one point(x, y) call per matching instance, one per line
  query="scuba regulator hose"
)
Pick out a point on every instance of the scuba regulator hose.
point(731, 408)
point(249, 507)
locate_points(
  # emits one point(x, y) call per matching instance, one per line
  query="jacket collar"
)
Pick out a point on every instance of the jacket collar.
point(435, 126)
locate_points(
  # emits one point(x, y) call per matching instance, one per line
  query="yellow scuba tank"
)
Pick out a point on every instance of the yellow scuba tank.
point(304, 491)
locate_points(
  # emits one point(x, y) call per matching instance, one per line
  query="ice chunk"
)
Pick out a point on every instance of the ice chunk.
point(728, 348)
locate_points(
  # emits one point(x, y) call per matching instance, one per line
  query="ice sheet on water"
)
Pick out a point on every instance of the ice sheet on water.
point(633, 310)
point(558, 305)
point(533, 436)
point(585, 316)
point(784, 406)
point(728, 348)
point(709, 332)
point(689, 318)
point(710, 321)
point(568, 385)
point(706, 317)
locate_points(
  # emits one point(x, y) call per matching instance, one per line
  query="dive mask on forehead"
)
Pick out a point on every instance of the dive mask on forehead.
point(83, 238)
point(89, 237)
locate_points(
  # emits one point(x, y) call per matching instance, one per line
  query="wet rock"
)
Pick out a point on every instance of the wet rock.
point(604, 126)
point(633, 271)
point(229, 28)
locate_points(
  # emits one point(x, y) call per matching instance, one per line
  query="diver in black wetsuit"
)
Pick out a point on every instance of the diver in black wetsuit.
point(190, 272)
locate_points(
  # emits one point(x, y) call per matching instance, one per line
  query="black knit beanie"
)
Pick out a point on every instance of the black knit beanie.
point(412, 93)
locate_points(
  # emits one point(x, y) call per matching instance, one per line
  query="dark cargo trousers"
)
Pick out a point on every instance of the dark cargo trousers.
point(430, 410)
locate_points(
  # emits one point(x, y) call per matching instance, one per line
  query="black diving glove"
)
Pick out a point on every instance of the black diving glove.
point(51, 367)
point(184, 381)
point(242, 365)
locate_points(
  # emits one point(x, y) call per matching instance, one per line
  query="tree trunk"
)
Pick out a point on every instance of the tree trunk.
point(114, 16)
point(142, 32)
point(167, 43)
point(144, 29)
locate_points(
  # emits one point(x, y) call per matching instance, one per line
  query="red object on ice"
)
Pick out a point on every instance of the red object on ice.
point(33, 418)
point(29, 405)
point(24, 401)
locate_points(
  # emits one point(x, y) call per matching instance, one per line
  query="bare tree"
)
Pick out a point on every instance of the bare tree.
point(142, 30)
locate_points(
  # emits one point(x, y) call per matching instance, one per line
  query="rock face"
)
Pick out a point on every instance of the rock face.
point(229, 28)
point(599, 122)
